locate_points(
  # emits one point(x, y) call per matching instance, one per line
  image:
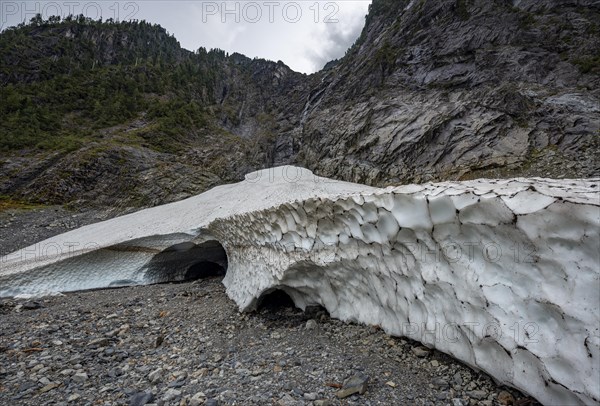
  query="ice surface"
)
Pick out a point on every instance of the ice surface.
point(501, 274)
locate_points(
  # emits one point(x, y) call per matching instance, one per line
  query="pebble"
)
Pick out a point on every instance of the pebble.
point(505, 398)
point(198, 399)
point(171, 394)
point(100, 342)
point(31, 305)
point(80, 378)
point(310, 396)
point(141, 399)
point(440, 383)
point(155, 376)
point(49, 387)
point(353, 385)
point(421, 352)
point(477, 394)
point(312, 325)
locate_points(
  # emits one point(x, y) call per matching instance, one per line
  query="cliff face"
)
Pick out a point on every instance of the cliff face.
point(451, 89)
point(432, 90)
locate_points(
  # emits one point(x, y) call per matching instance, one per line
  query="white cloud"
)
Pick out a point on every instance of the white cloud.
point(332, 40)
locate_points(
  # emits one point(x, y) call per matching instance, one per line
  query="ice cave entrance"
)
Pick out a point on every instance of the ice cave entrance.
point(203, 269)
point(188, 262)
point(274, 300)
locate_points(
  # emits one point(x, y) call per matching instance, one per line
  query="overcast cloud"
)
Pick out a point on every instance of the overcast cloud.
point(303, 34)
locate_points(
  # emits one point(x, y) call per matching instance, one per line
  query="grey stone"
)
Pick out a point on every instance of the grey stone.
point(156, 375)
point(440, 383)
point(421, 352)
point(477, 394)
point(171, 394)
point(141, 399)
point(312, 325)
point(80, 377)
point(356, 384)
point(33, 305)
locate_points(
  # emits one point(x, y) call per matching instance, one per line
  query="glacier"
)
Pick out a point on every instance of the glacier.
point(503, 275)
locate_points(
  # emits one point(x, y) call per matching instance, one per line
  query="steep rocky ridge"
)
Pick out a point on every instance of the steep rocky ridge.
point(450, 89)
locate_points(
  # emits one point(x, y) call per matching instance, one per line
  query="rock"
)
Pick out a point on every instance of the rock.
point(176, 384)
point(505, 398)
point(312, 324)
point(26, 386)
point(156, 375)
point(44, 381)
point(141, 398)
point(356, 384)
point(158, 341)
point(457, 402)
point(477, 394)
point(457, 379)
point(440, 383)
point(33, 305)
point(441, 396)
point(198, 399)
point(322, 402)
point(49, 387)
point(99, 342)
point(211, 402)
point(391, 384)
point(80, 378)
point(421, 352)
point(435, 363)
point(287, 400)
point(171, 394)
point(310, 396)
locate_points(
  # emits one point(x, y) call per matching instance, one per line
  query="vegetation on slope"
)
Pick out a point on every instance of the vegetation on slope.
point(64, 80)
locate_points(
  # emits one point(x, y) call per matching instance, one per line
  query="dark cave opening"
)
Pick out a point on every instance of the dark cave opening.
point(204, 269)
point(275, 300)
point(186, 262)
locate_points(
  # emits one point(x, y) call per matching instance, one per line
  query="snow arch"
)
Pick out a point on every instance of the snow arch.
point(501, 274)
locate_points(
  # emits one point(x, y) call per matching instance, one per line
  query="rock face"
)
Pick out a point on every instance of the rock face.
point(458, 89)
point(500, 274)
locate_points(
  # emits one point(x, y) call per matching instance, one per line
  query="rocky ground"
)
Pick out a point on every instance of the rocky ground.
point(187, 344)
point(21, 228)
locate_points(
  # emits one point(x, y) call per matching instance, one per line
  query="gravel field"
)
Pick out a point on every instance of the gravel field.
point(22, 228)
point(187, 344)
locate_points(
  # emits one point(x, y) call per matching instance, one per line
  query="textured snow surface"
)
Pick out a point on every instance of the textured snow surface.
point(501, 274)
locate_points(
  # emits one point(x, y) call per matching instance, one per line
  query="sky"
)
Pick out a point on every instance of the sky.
point(304, 34)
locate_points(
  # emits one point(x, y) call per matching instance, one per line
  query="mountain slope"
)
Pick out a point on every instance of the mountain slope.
point(119, 114)
point(448, 89)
